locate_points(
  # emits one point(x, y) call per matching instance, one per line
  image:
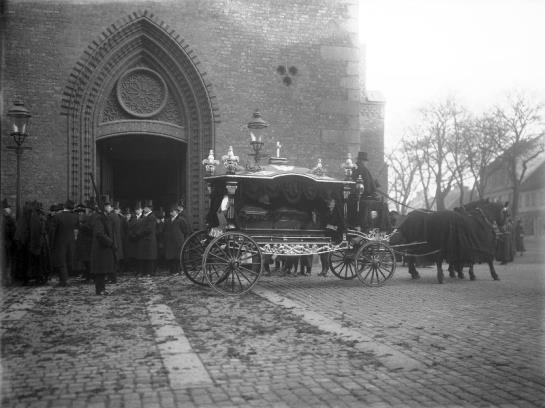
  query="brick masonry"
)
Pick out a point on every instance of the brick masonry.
point(239, 45)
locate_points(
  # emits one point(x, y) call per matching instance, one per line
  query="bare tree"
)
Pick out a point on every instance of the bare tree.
point(402, 180)
point(521, 130)
point(435, 160)
point(456, 140)
point(479, 141)
point(418, 146)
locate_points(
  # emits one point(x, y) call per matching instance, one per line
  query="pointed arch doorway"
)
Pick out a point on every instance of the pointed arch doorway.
point(142, 167)
point(137, 106)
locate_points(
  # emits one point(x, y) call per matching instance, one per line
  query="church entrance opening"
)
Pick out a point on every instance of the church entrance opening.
point(135, 168)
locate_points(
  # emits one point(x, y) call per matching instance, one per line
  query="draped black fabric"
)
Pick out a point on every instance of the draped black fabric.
point(285, 203)
point(458, 238)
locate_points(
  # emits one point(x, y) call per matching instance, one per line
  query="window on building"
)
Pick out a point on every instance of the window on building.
point(527, 199)
point(533, 198)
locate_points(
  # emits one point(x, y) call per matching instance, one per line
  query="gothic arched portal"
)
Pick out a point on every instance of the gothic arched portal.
point(138, 81)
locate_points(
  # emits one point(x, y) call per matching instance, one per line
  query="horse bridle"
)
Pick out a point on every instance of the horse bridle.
point(483, 214)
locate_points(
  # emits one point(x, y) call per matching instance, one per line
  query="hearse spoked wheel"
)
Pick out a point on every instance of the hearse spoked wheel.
point(191, 256)
point(232, 263)
point(342, 262)
point(375, 263)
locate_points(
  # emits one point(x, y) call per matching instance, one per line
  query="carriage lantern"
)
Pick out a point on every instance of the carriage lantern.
point(255, 127)
point(359, 190)
point(348, 167)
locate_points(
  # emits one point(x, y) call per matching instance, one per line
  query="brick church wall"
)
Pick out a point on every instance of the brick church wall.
point(372, 139)
point(239, 44)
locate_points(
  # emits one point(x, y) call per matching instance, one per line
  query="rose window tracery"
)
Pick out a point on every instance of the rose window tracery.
point(142, 92)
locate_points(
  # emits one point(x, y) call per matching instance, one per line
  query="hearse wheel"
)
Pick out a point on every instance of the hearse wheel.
point(191, 256)
point(342, 262)
point(375, 263)
point(232, 263)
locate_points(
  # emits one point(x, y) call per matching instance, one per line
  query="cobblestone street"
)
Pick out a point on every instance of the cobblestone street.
point(165, 342)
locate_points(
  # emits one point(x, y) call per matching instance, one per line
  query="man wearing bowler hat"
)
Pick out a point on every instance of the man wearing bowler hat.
point(146, 253)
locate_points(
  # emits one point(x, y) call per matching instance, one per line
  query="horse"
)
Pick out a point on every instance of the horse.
point(462, 237)
point(495, 216)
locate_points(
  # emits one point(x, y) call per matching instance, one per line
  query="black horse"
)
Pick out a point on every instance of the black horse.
point(462, 237)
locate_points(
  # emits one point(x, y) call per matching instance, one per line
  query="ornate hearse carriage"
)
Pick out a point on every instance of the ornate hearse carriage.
point(259, 212)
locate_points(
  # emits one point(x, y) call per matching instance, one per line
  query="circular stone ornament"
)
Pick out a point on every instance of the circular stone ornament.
point(142, 92)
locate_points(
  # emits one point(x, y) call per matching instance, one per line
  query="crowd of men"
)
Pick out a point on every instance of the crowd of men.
point(97, 239)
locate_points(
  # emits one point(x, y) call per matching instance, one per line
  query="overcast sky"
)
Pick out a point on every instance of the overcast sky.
point(424, 50)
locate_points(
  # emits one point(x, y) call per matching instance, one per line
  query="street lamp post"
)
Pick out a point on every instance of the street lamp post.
point(19, 117)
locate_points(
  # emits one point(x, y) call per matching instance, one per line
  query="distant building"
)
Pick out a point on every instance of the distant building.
point(532, 202)
point(532, 193)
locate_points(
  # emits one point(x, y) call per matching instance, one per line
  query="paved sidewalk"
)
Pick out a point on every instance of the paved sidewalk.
point(476, 343)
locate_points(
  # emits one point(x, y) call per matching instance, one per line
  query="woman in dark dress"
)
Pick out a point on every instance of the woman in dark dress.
point(519, 237)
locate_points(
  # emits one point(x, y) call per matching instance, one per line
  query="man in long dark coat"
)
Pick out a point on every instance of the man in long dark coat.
point(85, 239)
point(115, 215)
point(133, 236)
point(146, 254)
point(37, 252)
point(8, 227)
point(125, 219)
point(174, 234)
point(64, 225)
point(102, 249)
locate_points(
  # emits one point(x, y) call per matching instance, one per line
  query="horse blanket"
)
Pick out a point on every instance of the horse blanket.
point(455, 236)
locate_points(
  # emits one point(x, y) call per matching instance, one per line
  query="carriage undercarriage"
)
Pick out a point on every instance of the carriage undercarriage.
point(233, 262)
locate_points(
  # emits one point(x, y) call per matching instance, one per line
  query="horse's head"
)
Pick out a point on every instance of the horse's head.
point(493, 211)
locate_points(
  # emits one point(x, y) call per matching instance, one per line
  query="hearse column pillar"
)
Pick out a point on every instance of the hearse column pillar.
point(231, 187)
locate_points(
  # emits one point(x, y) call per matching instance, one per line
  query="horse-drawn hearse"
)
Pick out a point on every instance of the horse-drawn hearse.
point(261, 212)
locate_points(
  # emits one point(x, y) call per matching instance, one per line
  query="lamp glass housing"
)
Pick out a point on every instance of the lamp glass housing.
point(257, 127)
point(19, 118)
